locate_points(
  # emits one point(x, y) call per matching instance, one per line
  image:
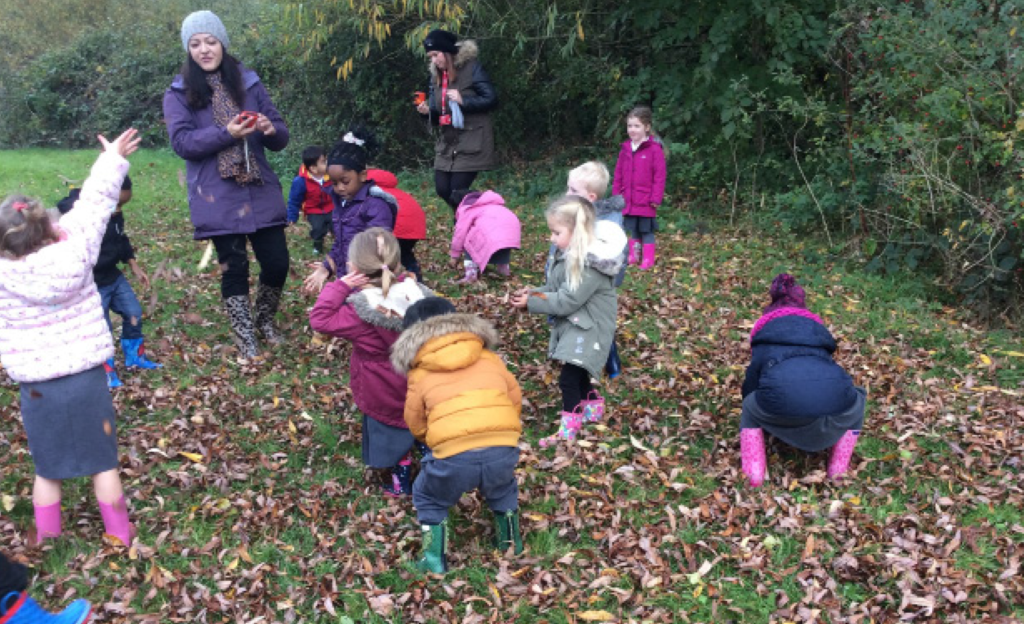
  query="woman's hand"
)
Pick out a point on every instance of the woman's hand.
point(422, 108)
point(455, 96)
point(314, 283)
point(124, 145)
point(264, 125)
point(239, 128)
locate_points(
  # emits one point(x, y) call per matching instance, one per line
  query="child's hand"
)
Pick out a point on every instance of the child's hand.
point(239, 128)
point(355, 280)
point(140, 274)
point(264, 125)
point(124, 145)
point(453, 262)
point(314, 283)
point(520, 299)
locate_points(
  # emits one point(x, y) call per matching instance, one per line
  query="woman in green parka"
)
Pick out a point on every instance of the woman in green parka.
point(580, 298)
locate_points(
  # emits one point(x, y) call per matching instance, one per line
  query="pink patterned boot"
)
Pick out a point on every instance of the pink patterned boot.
point(570, 426)
point(752, 457)
point(634, 251)
point(841, 454)
point(47, 521)
point(115, 521)
point(593, 407)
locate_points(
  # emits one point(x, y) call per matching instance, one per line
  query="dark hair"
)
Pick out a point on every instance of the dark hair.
point(425, 308)
point(354, 149)
point(199, 93)
point(311, 155)
point(127, 184)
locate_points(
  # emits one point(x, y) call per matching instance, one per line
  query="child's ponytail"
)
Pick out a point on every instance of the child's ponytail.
point(25, 227)
point(375, 254)
point(577, 213)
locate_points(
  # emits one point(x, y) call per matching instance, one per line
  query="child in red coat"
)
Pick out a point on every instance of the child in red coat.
point(411, 223)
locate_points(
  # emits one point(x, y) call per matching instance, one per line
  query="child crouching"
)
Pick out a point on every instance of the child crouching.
point(465, 405)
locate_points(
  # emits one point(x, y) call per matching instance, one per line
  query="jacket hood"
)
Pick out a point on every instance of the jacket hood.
point(487, 198)
point(384, 179)
point(372, 306)
point(607, 253)
point(614, 204)
point(795, 331)
point(468, 51)
point(249, 78)
point(452, 349)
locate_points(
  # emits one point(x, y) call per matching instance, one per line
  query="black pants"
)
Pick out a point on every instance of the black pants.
point(271, 251)
point(13, 576)
point(409, 258)
point(319, 227)
point(446, 183)
point(575, 385)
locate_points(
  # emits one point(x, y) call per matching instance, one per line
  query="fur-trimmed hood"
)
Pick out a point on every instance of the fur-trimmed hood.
point(468, 51)
point(606, 253)
point(372, 306)
point(442, 356)
point(613, 204)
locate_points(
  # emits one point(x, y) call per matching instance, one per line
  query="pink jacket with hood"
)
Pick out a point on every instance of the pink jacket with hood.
point(483, 225)
point(51, 320)
point(640, 178)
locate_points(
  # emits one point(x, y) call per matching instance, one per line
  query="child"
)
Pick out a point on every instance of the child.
point(53, 341)
point(487, 231)
point(411, 222)
point(115, 291)
point(590, 181)
point(366, 307)
point(17, 607)
point(310, 194)
point(465, 405)
point(640, 179)
point(794, 389)
point(355, 207)
point(580, 297)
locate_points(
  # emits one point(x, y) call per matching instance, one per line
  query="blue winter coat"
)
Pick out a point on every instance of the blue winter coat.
point(793, 372)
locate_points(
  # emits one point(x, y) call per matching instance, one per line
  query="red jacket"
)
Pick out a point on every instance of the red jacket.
point(640, 178)
point(411, 223)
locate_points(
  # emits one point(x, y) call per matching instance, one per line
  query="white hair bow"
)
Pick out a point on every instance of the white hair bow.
point(351, 138)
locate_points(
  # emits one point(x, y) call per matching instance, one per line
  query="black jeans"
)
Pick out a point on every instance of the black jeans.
point(446, 183)
point(271, 251)
point(575, 385)
point(409, 261)
point(13, 576)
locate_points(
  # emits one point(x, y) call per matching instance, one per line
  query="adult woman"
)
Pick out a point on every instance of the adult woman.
point(460, 100)
point(233, 194)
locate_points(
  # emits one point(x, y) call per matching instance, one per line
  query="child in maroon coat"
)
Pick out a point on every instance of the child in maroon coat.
point(366, 307)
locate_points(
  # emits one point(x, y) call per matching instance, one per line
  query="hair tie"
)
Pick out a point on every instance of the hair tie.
point(19, 205)
point(351, 138)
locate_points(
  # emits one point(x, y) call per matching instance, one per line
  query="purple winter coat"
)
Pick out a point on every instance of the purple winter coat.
point(349, 218)
point(220, 206)
point(483, 225)
point(640, 178)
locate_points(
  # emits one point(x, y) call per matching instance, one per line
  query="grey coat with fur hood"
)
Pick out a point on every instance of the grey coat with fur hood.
point(472, 147)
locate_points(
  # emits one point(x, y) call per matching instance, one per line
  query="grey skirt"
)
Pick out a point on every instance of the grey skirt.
point(806, 434)
point(639, 225)
point(71, 425)
point(383, 445)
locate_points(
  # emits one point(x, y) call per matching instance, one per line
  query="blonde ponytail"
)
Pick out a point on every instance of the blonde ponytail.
point(577, 213)
point(375, 254)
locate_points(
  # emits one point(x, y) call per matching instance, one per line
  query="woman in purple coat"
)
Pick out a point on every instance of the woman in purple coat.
point(220, 119)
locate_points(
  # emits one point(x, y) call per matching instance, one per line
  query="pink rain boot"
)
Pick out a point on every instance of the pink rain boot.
point(841, 454)
point(752, 457)
point(593, 407)
point(115, 521)
point(472, 273)
point(570, 426)
point(648, 260)
point(634, 251)
point(503, 270)
point(47, 522)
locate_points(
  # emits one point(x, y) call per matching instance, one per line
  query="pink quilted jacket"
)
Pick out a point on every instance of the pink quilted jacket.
point(51, 321)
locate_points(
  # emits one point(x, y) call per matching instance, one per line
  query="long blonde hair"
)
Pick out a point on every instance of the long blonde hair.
point(25, 227)
point(578, 214)
point(375, 254)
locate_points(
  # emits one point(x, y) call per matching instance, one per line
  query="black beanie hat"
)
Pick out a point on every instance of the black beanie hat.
point(440, 41)
point(427, 308)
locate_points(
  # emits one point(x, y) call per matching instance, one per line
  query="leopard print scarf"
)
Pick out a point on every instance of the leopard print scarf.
point(235, 162)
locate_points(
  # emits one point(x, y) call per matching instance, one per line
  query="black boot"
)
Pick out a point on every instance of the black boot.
point(268, 300)
point(240, 318)
point(614, 365)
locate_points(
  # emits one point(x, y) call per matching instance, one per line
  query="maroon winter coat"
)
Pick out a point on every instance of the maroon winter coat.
point(640, 178)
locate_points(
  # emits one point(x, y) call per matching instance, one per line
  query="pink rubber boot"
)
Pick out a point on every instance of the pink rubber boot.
point(752, 457)
point(115, 521)
point(634, 251)
point(48, 523)
point(648, 260)
point(593, 407)
point(568, 428)
point(841, 454)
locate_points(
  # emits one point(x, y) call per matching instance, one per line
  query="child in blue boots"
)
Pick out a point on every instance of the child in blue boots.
point(115, 292)
point(17, 607)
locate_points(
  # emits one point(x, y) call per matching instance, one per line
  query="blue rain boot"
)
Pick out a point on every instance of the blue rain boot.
point(112, 380)
point(135, 354)
point(20, 608)
point(614, 365)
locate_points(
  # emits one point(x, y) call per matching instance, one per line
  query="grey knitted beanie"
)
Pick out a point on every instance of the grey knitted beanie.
point(203, 22)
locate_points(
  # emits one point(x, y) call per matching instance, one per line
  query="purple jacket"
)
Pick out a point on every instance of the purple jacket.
point(360, 213)
point(483, 227)
point(221, 206)
point(378, 390)
point(640, 178)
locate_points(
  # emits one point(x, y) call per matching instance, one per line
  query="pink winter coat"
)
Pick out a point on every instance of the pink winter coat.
point(51, 320)
point(640, 178)
point(483, 227)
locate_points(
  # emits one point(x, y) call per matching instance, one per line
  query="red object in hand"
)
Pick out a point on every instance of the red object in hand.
point(249, 118)
point(419, 98)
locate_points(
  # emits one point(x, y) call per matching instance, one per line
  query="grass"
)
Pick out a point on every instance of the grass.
point(280, 520)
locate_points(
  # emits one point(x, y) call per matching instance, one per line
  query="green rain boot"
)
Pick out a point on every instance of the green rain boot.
point(506, 531)
point(435, 548)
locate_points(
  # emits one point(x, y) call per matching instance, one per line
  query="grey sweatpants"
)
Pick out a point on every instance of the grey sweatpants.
point(442, 482)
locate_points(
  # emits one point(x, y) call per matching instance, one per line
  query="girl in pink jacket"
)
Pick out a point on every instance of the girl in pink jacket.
point(640, 179)
point(54, 340)
point(487, 232)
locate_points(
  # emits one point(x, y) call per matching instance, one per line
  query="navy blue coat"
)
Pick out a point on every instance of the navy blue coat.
point(793, 372)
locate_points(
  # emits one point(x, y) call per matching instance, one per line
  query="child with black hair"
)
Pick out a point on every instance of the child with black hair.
point(310, 194)
point(356, 208)
point(115, 291)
